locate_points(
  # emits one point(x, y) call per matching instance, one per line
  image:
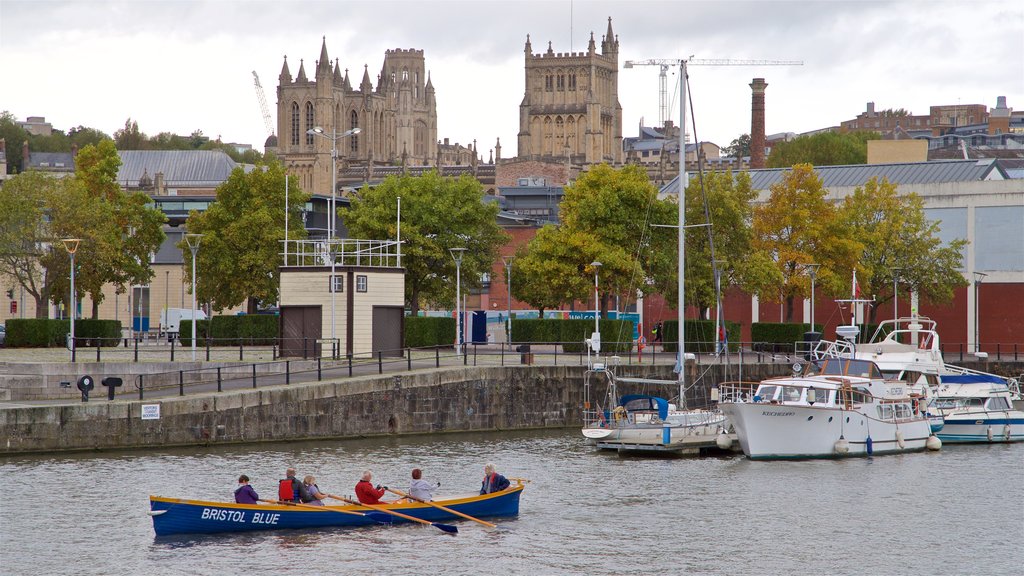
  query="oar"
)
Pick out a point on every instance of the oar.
point(443, 527)
point(371, 515)
point(445, 508)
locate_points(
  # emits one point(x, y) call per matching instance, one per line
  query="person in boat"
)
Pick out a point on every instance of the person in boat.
point(291, 490)
point(316, 496)
point(420, 489)
point(493, 482)
point(245, 494)
point(366, 492)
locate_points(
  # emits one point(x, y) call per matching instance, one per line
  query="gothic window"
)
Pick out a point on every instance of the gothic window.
point(549, 83)
point(561, 82)
point(310, 123)
point(405, 74)
point(548, 134)
point(295, 124)
point(355, 137)
point(392, 77)
point(570, 133)
point(559, 133)
point(572, 81)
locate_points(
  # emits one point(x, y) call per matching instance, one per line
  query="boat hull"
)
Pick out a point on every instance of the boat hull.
point(177, 516)
point(781, 431)
point(666, 436)
point(983, 427)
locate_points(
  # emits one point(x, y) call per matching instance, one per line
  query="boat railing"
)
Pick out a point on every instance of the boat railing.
point(737, 391)
point(834, 349)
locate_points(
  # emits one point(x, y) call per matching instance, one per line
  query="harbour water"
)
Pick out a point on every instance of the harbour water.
point(959, 511)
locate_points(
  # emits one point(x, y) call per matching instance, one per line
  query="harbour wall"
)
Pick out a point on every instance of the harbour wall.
point(423, 402)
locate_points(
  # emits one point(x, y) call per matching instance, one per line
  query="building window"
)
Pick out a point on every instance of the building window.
point(405, 75)
point(361, 283)
point(310, 123)
point(339, 283)
point(572, 82)
point(354, 123)
point(549, 83)
point(295, 124)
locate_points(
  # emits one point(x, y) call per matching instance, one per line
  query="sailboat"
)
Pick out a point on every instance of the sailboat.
point(646, 423)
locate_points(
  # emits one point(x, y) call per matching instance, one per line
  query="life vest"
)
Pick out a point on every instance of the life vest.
point(286, 490)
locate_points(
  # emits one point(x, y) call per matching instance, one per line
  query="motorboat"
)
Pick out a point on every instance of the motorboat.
point(977, 408)
point(832, 408)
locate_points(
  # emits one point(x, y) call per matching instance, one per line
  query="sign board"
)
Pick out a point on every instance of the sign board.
point(150, 411)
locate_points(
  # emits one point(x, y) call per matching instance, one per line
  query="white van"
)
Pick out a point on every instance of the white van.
point(171, 318)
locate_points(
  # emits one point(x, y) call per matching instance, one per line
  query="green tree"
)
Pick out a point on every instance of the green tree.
point(25, 234)
point(14, 136)
point(823, 149)
point(438, 213)
point(549, 271)
point(895, 234)
point(615, 209)
point(130, 138)
point(739, 148)
point(82, 136)
point(798, 226)
point(240, 251)
point(729, 205)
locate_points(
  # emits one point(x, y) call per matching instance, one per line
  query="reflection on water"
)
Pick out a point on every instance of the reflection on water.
point(584, 512)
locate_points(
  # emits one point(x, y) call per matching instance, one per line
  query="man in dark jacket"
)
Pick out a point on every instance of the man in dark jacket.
point(291, 489)
point(493, 482)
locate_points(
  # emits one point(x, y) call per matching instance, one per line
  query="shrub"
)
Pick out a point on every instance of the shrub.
point(700, 336)
point(37, 332)
point(426, 331)
point(89, 333)
point(778, 336)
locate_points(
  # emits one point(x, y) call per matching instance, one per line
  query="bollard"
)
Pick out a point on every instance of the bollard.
point(111, 383)
point(319, 370)
point(219, 389)
point(380, 361)
point(437, 356)
point(97, 350)
point(136, 349)
point(85, 384)
point(408, 353)
point(241, 350)
point(181, 383)
point(172, 347)
point(253, 376)
point(287, 371)
point(140, 386)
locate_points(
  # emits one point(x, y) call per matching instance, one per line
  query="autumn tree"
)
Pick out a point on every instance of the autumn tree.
point(895, 234)
point(549, 271)
point(798, 226)
point(438, 213)
point(241, 252)
point(823, 149)
point(25, 233)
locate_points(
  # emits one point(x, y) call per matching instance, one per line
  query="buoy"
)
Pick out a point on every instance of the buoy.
point(1006, 432)
point(933, 443)
point(868, 445)
point(899, 439)
point(989, 433)
point(723, 441)
point(842, 446)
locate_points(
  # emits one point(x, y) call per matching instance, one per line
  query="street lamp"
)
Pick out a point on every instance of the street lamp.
point(895, 300)
point(457, 256)
point(71, 245)
point(167, 299)
point(812, 269)
point(507, 261)
point(333, 137)
point(978, 277)
point(193, 244)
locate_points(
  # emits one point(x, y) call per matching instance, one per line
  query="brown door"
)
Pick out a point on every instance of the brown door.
point(389, 330)
point(300, 331)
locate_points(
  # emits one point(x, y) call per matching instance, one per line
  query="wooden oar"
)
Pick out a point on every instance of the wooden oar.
point(439, 507)
point(443, 527)
point(372, 516)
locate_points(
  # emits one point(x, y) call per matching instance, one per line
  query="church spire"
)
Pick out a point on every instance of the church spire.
point(302, 72)
point(323, 66)
point(591, 48)
point(529, 47)
point(365, 85)
point(337, 73)
point(346, 83)
point(430, 83)
point(286, 75)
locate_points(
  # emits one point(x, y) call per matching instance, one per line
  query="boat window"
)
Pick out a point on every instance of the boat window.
point(903, 410)
point(765, 393)
point(861, 395)
point(791, 393)
point(885, 411)
point(944, 403)
point(895, 375)
point(975, 403)
point(998, 403)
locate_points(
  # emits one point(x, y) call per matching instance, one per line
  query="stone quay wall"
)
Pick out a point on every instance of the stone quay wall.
point(424, 402)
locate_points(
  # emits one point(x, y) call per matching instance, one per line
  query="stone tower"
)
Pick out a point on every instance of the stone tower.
point(571, 106)
point(398, 117)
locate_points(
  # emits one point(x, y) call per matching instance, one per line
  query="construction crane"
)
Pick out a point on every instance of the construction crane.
point(263, 104)
point(663, 103)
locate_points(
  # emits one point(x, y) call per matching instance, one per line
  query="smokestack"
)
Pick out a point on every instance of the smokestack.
point(757, 138)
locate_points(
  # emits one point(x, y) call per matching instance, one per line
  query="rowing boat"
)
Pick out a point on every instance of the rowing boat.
point(179, 516)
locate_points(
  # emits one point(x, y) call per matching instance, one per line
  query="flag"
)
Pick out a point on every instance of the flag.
point(856, 286)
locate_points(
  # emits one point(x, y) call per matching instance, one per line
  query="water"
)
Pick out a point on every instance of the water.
point(954, 512)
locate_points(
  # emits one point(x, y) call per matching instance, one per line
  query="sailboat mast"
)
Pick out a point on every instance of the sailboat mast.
point(680, 307)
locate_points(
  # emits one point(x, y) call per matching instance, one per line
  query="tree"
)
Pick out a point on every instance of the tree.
point(240, 253)
point(739, 148)
point(25, 235)
point(548, 272)
point(824, 149)
point(129, 137)
point(438, 213)
point(798, 226)
point(13, 135)
point(895, 234)
point(729, 208)
point(82, 136)
point(606, 216)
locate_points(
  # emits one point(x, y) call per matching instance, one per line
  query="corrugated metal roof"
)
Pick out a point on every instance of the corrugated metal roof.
point(52, 160)
point(199, 168)
point(904, 174)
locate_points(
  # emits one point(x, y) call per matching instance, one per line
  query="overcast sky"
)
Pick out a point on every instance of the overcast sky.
point(179, 66)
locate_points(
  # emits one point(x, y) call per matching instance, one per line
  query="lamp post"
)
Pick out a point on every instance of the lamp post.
point(978, 277)
point(333, 137)
point(167, 299)
point(71, 245)
point(193, 244)
point(895, 299)
point(597, 299)
point(507, 261)
point(812, 269)
point(457, 256)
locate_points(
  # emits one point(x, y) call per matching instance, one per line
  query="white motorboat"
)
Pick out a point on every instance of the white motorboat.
point(837, 407)
point(977, 409)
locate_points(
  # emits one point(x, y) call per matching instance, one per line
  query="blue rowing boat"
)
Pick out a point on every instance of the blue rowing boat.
point(178, 516)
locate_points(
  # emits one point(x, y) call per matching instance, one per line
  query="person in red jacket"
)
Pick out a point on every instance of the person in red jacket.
point(367, 493)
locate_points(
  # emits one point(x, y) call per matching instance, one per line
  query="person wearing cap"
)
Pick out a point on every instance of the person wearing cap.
point(245, 494)
point(420, 489)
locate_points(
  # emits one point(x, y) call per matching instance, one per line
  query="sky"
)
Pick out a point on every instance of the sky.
point(179, 66)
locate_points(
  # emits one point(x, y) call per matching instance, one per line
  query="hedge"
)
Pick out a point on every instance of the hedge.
point(773, 336)
point(700, 336)
point(426, 331)
point(572, 333)
point(247, 329)
point(45, 332)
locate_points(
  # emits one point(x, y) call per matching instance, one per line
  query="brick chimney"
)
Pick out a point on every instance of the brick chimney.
point(757, 138)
